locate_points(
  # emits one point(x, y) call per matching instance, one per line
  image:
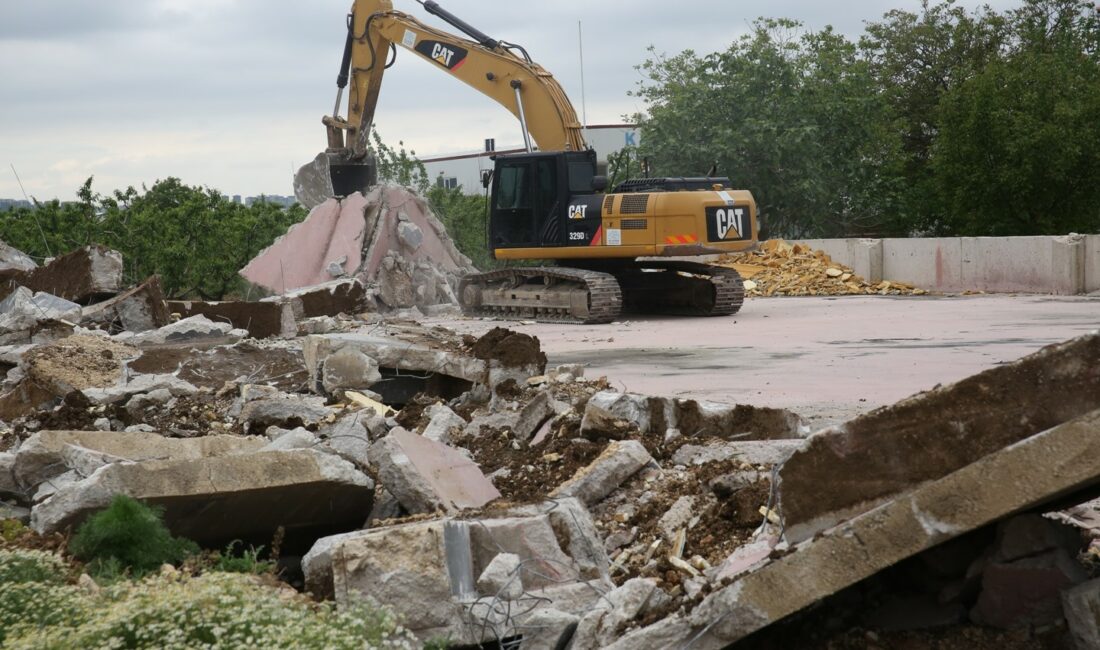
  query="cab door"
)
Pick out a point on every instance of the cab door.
point(528, 203)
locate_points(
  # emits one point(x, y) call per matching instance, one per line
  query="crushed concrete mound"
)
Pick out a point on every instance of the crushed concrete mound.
point(780, 268)
point(389, 240)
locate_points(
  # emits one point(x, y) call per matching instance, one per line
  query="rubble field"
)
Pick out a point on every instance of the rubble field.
point(486, 498)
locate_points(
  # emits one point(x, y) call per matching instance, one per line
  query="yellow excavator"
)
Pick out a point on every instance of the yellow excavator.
point(609, 251)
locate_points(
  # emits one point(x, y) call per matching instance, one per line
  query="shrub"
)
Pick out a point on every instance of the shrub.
point(217, 610)
point(247, 562)
point(33, 594)
point(128, 536)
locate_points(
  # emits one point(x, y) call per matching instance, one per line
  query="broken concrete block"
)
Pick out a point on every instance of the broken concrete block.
point(137, 405)
point(84, 462)
point(23, 309)
point(295, 439)
point(78, 276)
point(1061, 461)
point(193, 330)
point(676, 517)
point(408, 565)
point(501, 579)
point(8, 487)
point(286, 413)
point(547, 629)
point(410, 235)
point(1030, 535)
point(217, 499)
point(261, 319)
point(937, 432)
point(349, 369)
point(600, 626)
point(621, 460)
point(533, 416)
point(41, 456)
point(140, 309)
point(1026, 591)
point(13, 259)
point(137, 385)
point(349, 437)
point(427, 476)
point(659, 414)
point(25, 398)
point(753, 452)
point(443, 421)
point(1081, 605)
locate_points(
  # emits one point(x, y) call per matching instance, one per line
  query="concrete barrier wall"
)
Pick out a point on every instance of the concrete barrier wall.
point(1053, 265)
point(1092, 263)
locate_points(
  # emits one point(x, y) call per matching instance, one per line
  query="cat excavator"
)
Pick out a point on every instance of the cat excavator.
point(606, 252)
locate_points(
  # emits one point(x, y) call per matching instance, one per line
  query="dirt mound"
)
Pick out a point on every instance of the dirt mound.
point(779, 268)
point(511, 349)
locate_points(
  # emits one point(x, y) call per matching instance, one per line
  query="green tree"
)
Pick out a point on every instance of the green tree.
point(1019, 148)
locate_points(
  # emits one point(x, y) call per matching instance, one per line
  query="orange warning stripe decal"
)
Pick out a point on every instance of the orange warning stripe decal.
point(597, 237)
point(681, 239)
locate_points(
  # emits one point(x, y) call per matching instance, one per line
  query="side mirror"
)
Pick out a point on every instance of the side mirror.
point(599, 183)
point(486, 178)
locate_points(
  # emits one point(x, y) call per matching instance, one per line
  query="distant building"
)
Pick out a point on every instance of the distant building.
point(9, 204)
point(464, 169)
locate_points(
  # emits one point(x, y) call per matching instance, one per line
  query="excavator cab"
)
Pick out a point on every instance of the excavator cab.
point(543, 199)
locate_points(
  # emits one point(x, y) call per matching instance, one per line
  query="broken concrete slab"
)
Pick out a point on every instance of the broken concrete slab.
point(189, 331)
point(408, 565)
point(753, 452)
point(1026, 591)
point(138, 384)
point(547, 629)
point(349, 369)
point(692, 417)
point(8, 487)
point(361, 237)
point(501, 578)
point(1061, 461)
point(403, 350)
point(285, 412)
point(261, 319)
point(533, 415)
point(1082, 608)
point(935, 433)
point(217, 499)
point(427, 476)
point(42, 455)
point(443, 421)
point(79, 276)
point(13, 259)
point(140, 309)
point(343, 296)
point(23, 310)
point(618, 462)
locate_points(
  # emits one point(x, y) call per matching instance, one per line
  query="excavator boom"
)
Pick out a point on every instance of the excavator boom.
point(497, 69)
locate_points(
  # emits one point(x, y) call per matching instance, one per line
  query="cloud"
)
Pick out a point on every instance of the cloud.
point(229, 93)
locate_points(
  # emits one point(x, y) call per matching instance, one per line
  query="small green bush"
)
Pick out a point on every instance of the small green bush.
point(248, 561)
point(128, 536)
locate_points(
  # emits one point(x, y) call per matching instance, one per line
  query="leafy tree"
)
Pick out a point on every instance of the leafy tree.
point(1018, 149)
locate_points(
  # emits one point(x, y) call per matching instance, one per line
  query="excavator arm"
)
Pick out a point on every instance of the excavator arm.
point(489, 66)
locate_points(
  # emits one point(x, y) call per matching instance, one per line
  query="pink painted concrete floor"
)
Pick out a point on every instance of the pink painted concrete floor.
point(826, 358)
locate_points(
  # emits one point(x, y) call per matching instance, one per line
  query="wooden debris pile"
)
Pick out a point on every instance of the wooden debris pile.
point(779, 268)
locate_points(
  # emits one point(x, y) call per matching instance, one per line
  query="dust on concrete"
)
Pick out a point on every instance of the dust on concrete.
point(78, 362)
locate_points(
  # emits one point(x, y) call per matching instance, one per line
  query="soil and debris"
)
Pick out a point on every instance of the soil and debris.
point(780, 268)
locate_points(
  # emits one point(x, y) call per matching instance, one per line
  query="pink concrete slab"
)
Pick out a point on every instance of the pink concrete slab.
point(399, 201)
point(300, 258)
point(457, 481)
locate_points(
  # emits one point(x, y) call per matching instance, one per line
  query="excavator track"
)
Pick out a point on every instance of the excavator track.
point(544, 294)
point(681, 288)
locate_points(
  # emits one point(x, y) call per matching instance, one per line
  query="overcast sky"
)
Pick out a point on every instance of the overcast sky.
point(229, 93)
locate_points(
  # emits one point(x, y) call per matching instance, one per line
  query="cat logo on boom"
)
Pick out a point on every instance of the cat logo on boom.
point(449, 56)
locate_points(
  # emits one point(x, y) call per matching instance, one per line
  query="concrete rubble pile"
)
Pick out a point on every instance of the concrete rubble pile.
point(389, 240)
point(779, 268)
point(487, 496)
